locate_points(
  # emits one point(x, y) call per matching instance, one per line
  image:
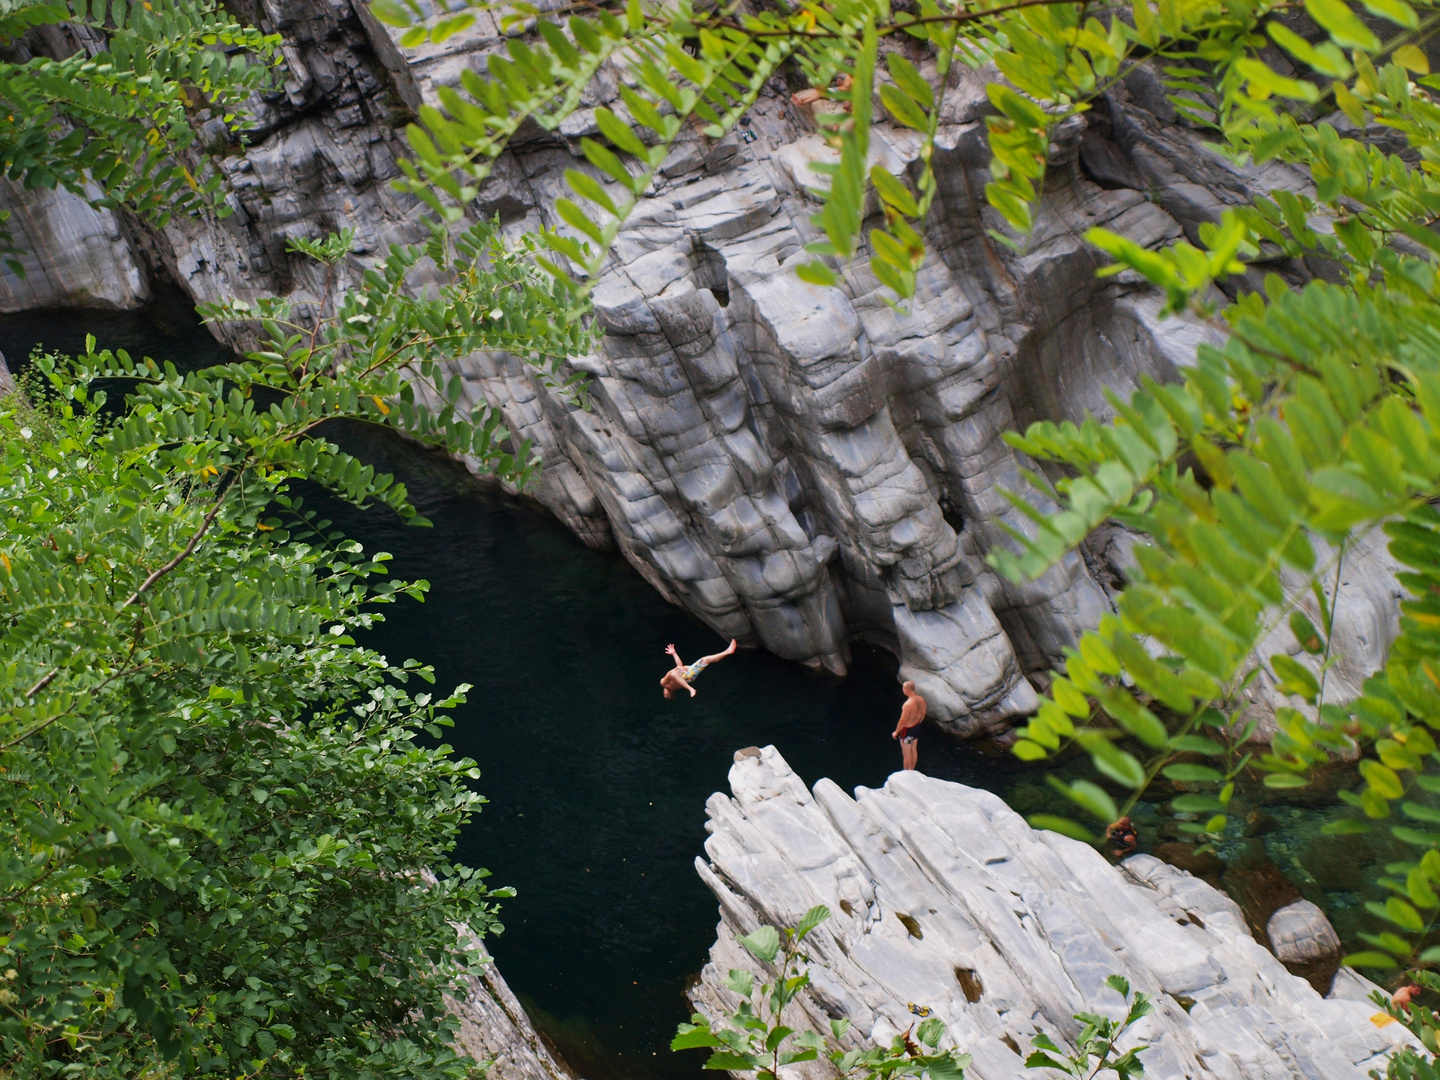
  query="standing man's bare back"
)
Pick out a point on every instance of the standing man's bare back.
point(908, 728)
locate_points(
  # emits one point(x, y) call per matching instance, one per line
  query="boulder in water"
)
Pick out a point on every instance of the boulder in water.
point(1304, 941)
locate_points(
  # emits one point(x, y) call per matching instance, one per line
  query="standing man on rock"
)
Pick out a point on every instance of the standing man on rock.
point(908, 729)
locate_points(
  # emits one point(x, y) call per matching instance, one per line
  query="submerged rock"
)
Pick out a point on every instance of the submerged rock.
point(1260, 888)
point(945, 897)
point(1305, 942)
point(1207, 866)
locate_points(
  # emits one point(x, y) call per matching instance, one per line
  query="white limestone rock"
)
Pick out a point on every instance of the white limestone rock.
point(945, 897)
point(73, 255)
point(800, 467)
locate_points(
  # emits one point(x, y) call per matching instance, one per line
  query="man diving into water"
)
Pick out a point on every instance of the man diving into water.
point(682, 674)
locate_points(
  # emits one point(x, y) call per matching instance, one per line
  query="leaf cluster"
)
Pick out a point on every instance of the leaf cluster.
point(116, 123)
point(382, 351)
point(1311, 425)
point(1095, 1046)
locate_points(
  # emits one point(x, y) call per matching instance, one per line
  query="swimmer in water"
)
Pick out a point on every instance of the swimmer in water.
point(682, 674)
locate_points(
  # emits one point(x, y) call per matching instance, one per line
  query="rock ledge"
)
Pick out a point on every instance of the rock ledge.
point(945, 897)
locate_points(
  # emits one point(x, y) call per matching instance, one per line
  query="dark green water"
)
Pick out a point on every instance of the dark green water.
point(597, 784)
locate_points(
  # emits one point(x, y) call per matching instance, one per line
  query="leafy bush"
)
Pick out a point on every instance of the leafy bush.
point(231, 854)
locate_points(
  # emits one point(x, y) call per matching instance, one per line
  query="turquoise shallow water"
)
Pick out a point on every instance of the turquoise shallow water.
point(597, 785)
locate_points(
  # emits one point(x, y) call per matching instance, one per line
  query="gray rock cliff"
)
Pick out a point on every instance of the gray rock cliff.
point(800, 467)
point(495, 1030)
point(945, 897)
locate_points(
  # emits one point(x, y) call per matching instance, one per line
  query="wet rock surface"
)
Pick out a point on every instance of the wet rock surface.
point(945, 897)
point(799, 467)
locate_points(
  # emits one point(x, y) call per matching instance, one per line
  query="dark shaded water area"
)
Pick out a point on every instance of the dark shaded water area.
point(597, 785)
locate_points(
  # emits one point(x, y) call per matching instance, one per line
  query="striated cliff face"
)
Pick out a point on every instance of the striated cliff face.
point(799, 467)
point(943, 896)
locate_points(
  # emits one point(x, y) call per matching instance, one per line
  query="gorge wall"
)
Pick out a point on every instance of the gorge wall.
point(800, 467)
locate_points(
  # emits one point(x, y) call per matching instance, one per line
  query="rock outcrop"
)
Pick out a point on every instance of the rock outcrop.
point(495, 1031)
point(944, 897)
point(800, 467)
point(73, 255)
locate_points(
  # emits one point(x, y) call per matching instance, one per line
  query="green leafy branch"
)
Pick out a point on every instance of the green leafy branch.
point(754, 1037)
point(121, 119)
point(380, 351)
point(1096, 1043)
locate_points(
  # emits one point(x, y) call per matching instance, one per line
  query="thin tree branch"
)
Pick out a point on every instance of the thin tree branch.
point(186, 551)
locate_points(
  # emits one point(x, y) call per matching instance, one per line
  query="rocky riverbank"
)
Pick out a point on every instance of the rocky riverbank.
point(945, 897)
point(495, 1031)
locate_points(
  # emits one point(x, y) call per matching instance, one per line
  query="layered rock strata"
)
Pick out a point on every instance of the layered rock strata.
point(72, 255)
point(800, 467)
point(944, 897)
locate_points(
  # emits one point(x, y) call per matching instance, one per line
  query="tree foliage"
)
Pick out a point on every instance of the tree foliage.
point(231, 855)
point(115, 121)
point(380, 350)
